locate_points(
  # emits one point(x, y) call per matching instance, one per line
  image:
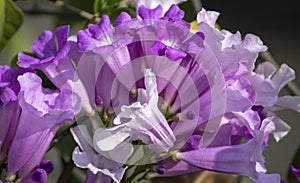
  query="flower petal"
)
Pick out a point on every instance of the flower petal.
point(146, 13)
point(287, 102)
point(238, 159)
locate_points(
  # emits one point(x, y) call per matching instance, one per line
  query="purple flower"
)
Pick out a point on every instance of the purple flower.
point(239, 159)
point(141, 120)
point(43, 113)
point(30, 116)
point(9, 108)
point(152, 89)
point(53, 59)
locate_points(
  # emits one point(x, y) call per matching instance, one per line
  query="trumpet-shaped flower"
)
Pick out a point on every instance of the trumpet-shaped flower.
point(43, 113)
point(156, 86)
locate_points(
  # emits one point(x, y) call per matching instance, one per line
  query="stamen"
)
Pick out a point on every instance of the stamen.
point(99, 100)
point(47, 165)
point(134, 93)
point(39, 175)
point(160, 170)
point(9, 178)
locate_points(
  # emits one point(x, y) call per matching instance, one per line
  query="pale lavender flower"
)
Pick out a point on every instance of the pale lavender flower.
point(99, 167)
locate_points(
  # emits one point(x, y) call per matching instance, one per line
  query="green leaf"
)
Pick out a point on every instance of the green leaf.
point(11, 18)
point(97, 5)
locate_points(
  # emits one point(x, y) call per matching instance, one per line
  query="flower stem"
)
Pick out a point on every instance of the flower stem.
point(61, 136)
point(139, 169)
point(78, 11)
point(65, 175)
point(292, 86)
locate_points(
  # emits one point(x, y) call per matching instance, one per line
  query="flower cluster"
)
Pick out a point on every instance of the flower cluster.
point(147, 92)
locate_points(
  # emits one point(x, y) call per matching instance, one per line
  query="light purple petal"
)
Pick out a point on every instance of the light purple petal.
point(174, 13)
point(281, 128)
point(146, 13)
point(98, 30)
point(144, 122)
point(239, 92)
point(7, 95)
point(283, 76)
point(87, 157)
point(85, 39)
point(57, 67)
point(253, 43)
point(158, 48)
point(287, 102)
point(26, 61)
point(266, 68)
point(29, 146)
point(43, 112)
point(174, 168)
point(266, 94)
point(175, 54)
point(268, 86)
point(209, 17)
point(61, 34)
point(9, 117)
point(238, 159)
point(44, 46)
point(122, 18)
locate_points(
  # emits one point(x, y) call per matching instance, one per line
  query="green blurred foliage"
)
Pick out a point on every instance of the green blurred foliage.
point(11, 18)
point(112, 8)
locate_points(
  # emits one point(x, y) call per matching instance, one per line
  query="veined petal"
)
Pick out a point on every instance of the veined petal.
point(43, 112)
point(253, 43)
point(238, 159)
point(287, 102)
point(146, 13)
point(283, 76)
point(56, 64)
point(122, 18)
point(174, 13)
point(179, 168)
point(88, 158)
point(209, 17)
point(144, 122)
point(266, 69)
point(281, 127)
point(45, 45)
point(9, 119)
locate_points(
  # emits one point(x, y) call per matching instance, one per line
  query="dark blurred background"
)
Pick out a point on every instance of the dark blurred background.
point(276, 22)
